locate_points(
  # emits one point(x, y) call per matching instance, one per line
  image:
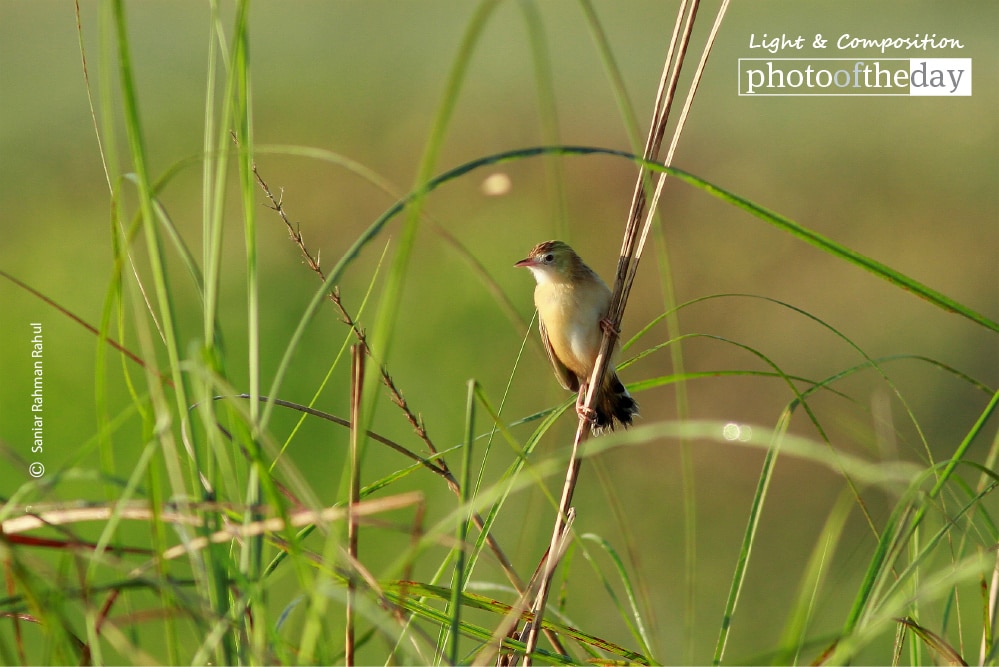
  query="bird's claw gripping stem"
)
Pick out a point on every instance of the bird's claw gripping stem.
point(589, 414)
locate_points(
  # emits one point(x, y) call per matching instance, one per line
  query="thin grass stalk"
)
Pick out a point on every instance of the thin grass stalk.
point(898, 644)
point(153, 246)
point(548, 111)
point(100, 393)
point(794, 636)
point(627, 266)
point(164, 419)
point(107, 143)
point(11, 586)
point(919, 551)
point(241, 105)
point(990, 599)
point(90, 98)
point(890, 542)
point(756, 510)
point(277, 205)
point(914, 547)
point(630, 120)
point(687, 484)
point(151, 475)
point(525, 592)
point(688, 101)
point(461, 531)
point(384, 327)
point(356, 385)
point(572, 473)
point(396, 395)
point(676, 353)
point(630, 614)
point(517, 611)
point(214, 174)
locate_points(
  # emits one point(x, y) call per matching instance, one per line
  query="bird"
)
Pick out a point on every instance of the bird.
point(573, 304)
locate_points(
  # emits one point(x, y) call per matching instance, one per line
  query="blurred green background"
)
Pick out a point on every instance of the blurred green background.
point(911, 182)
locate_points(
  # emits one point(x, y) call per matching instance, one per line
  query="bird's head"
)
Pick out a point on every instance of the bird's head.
point(552, 261)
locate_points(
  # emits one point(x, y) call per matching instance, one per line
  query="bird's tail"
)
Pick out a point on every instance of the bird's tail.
point(616, 406)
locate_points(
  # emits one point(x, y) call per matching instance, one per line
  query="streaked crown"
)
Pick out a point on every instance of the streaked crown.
point(556, 261)
point(555, 253)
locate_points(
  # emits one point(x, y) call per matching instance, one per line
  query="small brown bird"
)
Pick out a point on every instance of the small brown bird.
point(572, 303)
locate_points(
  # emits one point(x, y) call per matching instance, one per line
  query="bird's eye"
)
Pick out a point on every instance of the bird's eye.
point(549, 257)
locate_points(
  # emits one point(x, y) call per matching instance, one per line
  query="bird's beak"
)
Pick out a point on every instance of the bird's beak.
point(526, 263)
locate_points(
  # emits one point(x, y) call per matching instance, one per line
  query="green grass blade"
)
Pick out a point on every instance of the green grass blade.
point(548, 111)
point(483, 603)
point(755, 510)
point(890, 541)
point(811, 237)
point(794, 637)
point(461, 531)
point(384, 323)
point(630, 615)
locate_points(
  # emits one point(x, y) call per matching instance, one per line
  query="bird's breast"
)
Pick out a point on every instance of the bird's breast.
point(571, 314)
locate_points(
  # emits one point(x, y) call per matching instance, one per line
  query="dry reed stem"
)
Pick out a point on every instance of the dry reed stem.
point(277, 205)
point(57, 515)
point(356, 386)
point(517, 610)
point(631, 251)
point(991, 614)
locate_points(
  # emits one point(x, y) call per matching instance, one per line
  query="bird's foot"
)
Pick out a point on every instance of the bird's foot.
point(608, 326)
point(589, 414)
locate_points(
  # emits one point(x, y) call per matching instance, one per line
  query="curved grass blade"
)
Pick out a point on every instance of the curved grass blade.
point(484, 603)
point(378, 225)
point(794, 638)
point(890, 540)
point(934, 641)
point(631, 616)
point(755, 510)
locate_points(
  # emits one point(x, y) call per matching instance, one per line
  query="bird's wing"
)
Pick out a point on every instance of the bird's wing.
point(566, 378)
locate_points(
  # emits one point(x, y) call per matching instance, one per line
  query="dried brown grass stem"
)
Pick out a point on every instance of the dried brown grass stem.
point(276, 203)
point(631, 251)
